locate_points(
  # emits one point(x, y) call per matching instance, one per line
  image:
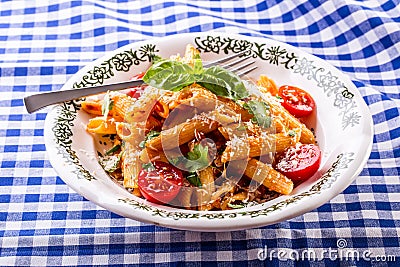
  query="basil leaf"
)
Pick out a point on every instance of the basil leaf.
point(198, 158)
point(194, 179)
point(260, 111)
point(169, 75)
point(223, 83)
point(198, 67)
point(156, 58)
point(174, 75)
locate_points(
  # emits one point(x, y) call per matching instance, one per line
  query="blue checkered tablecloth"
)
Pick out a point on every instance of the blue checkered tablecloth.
point(43, 222)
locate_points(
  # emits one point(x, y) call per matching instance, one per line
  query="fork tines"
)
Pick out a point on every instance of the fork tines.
point(234, 66)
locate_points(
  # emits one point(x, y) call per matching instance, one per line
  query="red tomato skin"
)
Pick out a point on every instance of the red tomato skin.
point(305, 168)
point(135, 92)
point(164, 176)
point(138, 76)
point(298, 102)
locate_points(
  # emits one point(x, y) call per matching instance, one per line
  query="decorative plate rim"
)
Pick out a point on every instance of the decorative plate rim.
point(60, 121)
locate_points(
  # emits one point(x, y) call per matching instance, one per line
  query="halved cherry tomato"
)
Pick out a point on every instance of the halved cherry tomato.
point(162, 184)
point(297, 101)
point(299, 162)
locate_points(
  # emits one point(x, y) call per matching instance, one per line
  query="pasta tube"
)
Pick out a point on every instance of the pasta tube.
point(270, 178)
point(181, 134)
point(256, 146)
point(229, 104)
point(204, 193)
point(122, 104)
point(92, 107)
point(306, 137)
point(267, 84)
point(100, 125)
point(131, 165)
point(184, 196)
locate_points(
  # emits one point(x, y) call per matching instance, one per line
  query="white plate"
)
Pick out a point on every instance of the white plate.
point(343, 127)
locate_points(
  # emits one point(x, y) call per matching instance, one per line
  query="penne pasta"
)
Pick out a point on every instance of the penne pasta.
point(270, 178)
point(122, 104)
point(184, 197)
point(92, 107)
point(131, 165)
point(161, 109)
point(206, 178)
point(100, 125)
point(267, 84)
point(229, 104)
point(306, 136)
point(255, 146)
point(181, 134)
point(151, 155)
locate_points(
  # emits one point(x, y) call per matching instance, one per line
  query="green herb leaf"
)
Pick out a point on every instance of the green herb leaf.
point(148, 137)
point(148, 167)
point(223, 83)
point(198, 158)
point(260, 112)
point(292, 133)
point(194, 179)
point(176, 161)
point(113, 149)
point(198, 67)
point(241, 127)
point(169, 75)
point(156, 58)
point(173, 75)
point(235, 206)
point(108, 104)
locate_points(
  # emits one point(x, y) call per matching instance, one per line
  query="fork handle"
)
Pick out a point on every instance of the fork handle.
point(38, 101)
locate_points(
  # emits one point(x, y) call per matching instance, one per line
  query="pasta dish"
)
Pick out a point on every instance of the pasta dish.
point(204, 139)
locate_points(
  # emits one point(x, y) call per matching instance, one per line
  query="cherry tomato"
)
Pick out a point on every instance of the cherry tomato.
point(297, 101)
point(299, 162)
point(136, 92)
point(162, 184)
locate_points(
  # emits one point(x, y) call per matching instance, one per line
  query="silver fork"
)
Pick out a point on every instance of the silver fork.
point(41, 100)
